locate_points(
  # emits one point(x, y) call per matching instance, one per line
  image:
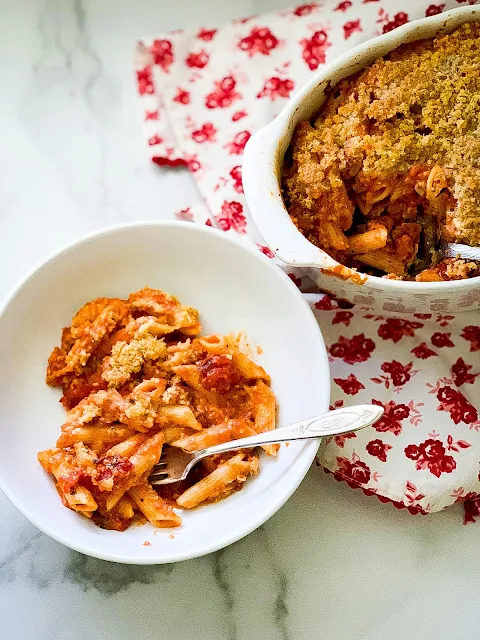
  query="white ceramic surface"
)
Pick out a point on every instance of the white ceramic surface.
point(236, 289)
point(262, 166)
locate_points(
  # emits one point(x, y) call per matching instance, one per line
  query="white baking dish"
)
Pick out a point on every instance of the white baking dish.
point(262, 167)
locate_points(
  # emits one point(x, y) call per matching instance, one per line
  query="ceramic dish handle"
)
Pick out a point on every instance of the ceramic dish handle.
point(262, 191)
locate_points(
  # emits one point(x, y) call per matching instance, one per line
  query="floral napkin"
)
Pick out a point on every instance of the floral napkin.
point(203, 92)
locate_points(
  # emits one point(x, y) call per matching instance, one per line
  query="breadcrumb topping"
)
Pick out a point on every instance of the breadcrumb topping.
point(128, 357)
point(417, 107)
point(461, 269)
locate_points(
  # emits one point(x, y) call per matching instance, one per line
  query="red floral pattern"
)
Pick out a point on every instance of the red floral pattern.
point(325, 303)
point(246, 71)
point(193, 163)
point(392, 417)
point(432, 455)
point(356, 349)
point(472, 334)
point(471, 505)
point(412, 495)
point(342, 439)
point(237, 145)
point(329, 302)
point(182, 96)
point(266, 251)
point(351, 27)
point(460, 409)
point(236, 175)
point(443, 321)
point(461, 373)
point(423, 351)
point(399, 374)
point(206, 34)
point(305, 9)
point(396, 328)
point(276, 88)
point(441, 339)
point(433, 9)
point(155, 139)
point(185, 214)
point(145, 81)
point(232, 217)
point(354, 469)
point(197, 60)
point(343, 6)
point(223, 95)
point(296, 281)
point(206, 133)
point(390, 24)
point(260, 40)
point(162, 53)
point(315, 49)
point(378, 449)
point(238, 115)
point(351, 385)
point(343, 317)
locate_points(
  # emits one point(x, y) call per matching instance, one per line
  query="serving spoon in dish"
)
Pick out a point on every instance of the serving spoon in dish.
point(452, 250)
point(175, 463)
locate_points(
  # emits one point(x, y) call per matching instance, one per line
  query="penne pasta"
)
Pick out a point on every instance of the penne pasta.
point(44, 457)
point(190, 374)
point(106, 435)
point(157, 510)
point(177, 415)
point(235, 469)
point(168, 309)
point(333, 236)
point(142, 460)
point(81, 500)
point(125, 507)
point(383, 260)
point(429, 275)
point(368, 241)
point(62, 466)
point(147, 393)
point(207, 437)
point(265, 413)
point(214, 344)
point(128, 446)
point(249, 369)
point(171, 434)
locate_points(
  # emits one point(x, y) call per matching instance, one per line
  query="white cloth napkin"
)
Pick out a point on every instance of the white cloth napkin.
point(203, 92)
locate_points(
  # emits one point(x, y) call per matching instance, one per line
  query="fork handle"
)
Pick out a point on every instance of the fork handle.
point(332, 423)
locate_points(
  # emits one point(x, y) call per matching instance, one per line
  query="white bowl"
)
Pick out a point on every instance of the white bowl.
point(262, 167)
point(236, 289)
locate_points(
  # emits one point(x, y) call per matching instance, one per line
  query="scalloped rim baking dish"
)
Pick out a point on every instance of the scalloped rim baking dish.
point(262, 166)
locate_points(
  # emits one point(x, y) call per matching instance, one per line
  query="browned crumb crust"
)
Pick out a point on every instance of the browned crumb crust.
point(415, 109)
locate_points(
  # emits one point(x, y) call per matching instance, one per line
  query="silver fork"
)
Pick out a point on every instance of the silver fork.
point(175, 464)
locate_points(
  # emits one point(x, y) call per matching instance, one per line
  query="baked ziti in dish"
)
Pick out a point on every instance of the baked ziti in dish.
point(390, 166)
point(137, 377)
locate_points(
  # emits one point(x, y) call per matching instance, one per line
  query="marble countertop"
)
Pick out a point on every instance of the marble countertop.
point(331, 563)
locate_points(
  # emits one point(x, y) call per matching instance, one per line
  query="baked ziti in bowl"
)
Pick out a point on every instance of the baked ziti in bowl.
point(140, 338)
point(374, 165)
